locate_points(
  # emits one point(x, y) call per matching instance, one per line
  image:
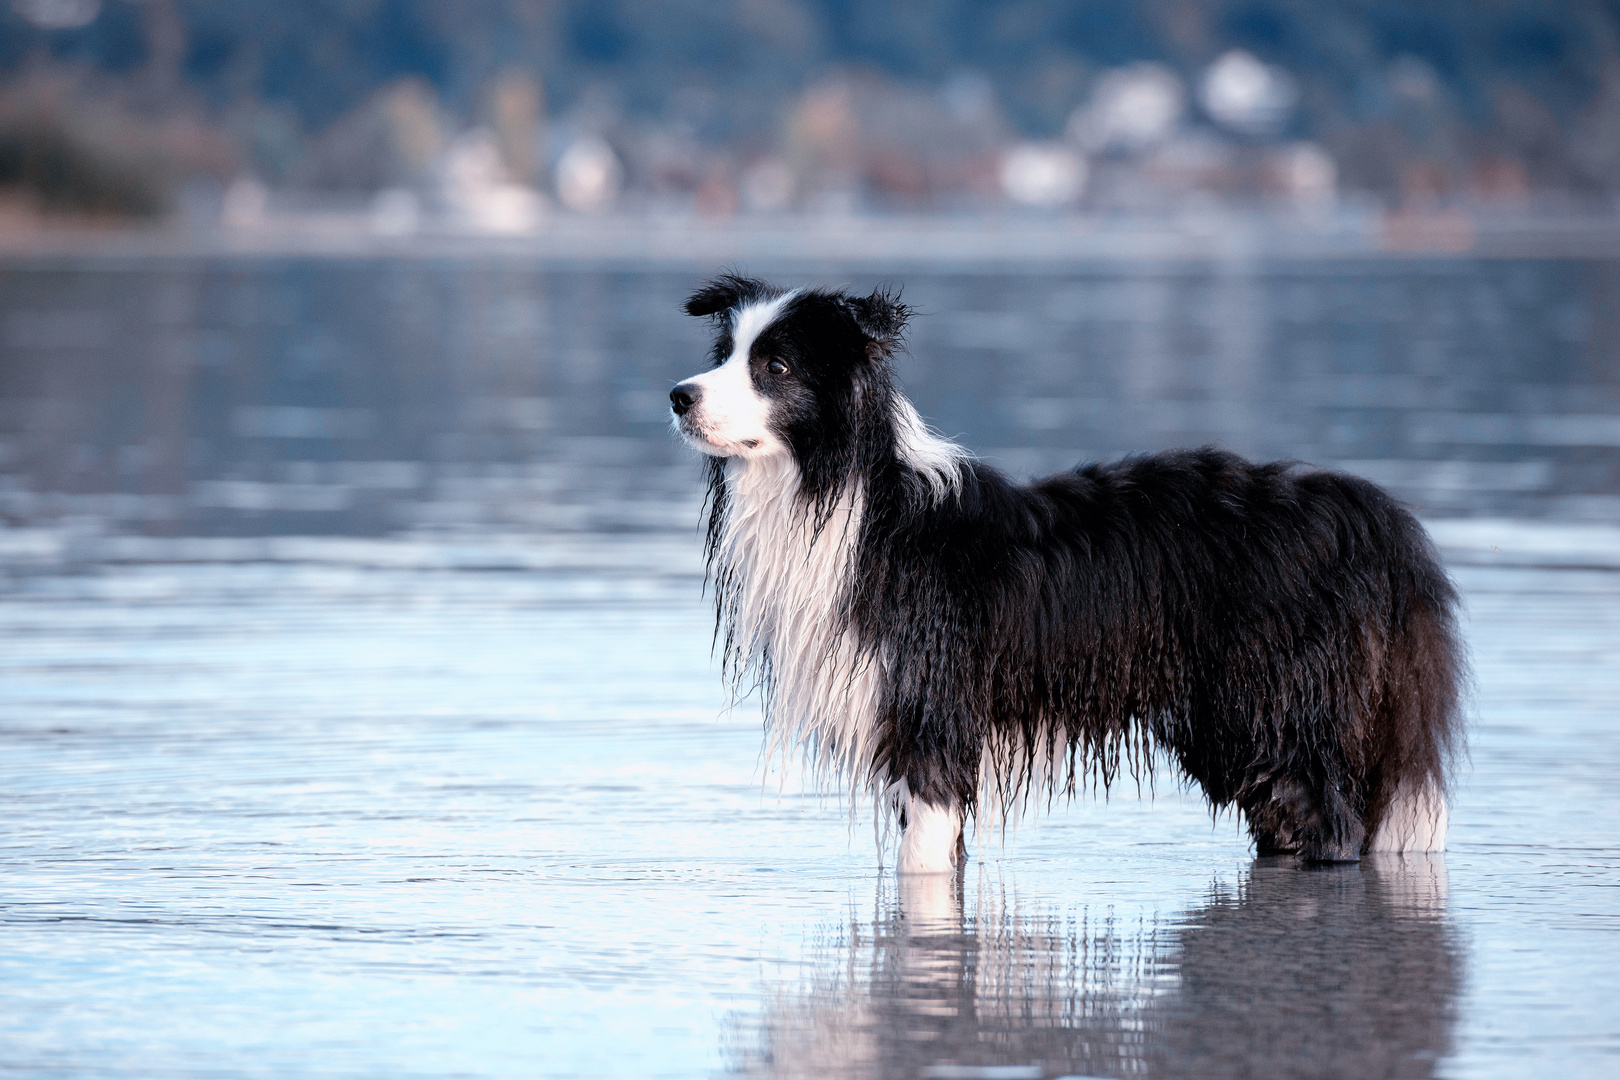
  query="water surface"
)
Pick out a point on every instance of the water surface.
point(244, 397)
point(331, 816)
point(358, 715)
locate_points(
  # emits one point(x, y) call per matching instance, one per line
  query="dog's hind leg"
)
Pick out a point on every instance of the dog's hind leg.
point(1334, 833)
point(1420, 724)
point(1313, 821)
point(1414, 820)
point(931, 840)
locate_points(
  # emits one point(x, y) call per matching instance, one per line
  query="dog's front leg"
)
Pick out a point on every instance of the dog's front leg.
point(931, 839)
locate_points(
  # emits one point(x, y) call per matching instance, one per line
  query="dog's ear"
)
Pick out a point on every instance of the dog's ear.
point(881, 317)
point(724, 293)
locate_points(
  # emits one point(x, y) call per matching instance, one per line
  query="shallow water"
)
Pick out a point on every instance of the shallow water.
point(355, 814)
point(358, 715)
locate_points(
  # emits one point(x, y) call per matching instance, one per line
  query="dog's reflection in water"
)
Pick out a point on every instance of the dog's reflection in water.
point(1348, 971)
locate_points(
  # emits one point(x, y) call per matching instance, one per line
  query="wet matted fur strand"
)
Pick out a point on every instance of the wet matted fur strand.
point(959, 644)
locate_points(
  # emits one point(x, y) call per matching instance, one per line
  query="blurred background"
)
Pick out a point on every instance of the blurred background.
point(486, 114)
point(372, 266)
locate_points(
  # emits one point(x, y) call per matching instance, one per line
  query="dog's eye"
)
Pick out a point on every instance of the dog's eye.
point(776, 367)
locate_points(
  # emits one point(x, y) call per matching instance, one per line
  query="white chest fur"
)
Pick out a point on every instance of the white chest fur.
point(782, 586)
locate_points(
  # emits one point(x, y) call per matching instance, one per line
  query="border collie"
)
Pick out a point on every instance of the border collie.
point(960, 645)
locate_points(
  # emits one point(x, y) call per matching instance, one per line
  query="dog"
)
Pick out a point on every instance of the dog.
point(959, 645)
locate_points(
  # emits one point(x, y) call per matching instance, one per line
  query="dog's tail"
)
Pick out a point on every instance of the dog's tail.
point(1419, 717)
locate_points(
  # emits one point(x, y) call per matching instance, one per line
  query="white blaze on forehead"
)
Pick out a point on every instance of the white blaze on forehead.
point(751, 321)
point(732, 416)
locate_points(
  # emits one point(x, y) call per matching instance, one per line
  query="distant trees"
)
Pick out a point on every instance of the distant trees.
point(1408, 102)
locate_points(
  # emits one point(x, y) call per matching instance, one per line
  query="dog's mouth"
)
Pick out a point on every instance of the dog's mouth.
point(701, 437)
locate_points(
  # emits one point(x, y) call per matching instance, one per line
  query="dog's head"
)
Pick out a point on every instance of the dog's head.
point(800, 372)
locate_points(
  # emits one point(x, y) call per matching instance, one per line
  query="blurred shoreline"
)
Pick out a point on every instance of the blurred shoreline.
point(937, 241)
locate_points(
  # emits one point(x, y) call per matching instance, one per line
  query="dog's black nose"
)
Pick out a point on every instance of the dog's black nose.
point(683, 397)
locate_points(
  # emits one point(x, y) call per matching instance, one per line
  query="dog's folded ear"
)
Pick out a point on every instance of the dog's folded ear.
point(724, 293)
point(881, 317)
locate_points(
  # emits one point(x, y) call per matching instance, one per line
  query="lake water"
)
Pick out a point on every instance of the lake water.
point(358, 716)
point(249, 397)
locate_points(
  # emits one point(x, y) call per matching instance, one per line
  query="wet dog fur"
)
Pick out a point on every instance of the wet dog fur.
point(960, 645)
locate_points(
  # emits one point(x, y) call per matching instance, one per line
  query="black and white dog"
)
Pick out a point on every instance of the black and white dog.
point(960, 644)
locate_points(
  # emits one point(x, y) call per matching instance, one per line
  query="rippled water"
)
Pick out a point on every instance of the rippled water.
point(358, 716)
point(345, 816)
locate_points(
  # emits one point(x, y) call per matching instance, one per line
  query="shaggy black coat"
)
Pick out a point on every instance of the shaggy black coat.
point(1287, 634)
